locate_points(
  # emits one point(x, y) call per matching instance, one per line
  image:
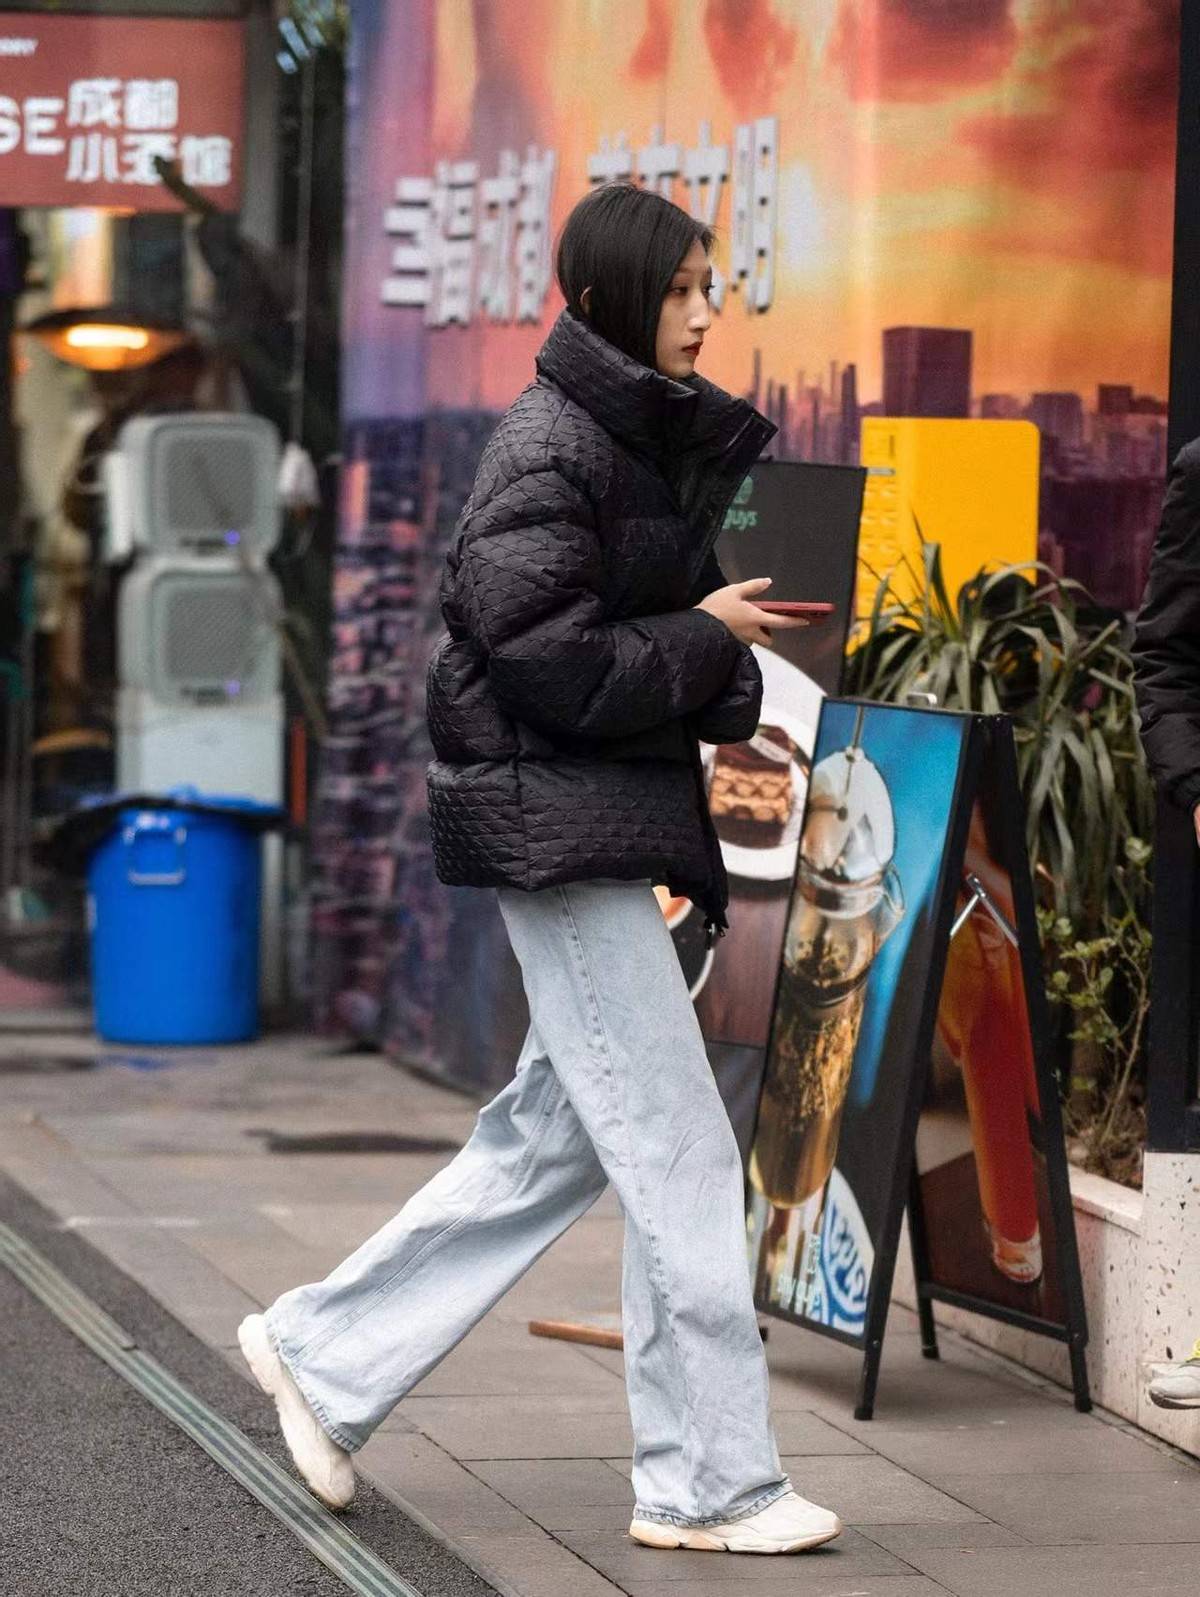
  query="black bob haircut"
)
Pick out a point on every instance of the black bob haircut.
point(625, 244)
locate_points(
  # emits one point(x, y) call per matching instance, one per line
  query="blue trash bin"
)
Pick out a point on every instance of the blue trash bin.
point(173, 907)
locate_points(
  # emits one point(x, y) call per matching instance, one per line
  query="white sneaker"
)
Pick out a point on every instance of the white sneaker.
point(1177, 1385)
point(325, 1466)
point(791, 1524)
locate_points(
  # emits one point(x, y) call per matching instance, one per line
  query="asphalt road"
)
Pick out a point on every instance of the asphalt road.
point(103, 1496)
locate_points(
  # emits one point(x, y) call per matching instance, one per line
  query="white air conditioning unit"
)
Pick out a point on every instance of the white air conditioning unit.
point(227, 749)
point(191, 633)
point(196, 483)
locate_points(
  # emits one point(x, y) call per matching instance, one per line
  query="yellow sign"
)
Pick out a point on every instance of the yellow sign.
point(970, 486)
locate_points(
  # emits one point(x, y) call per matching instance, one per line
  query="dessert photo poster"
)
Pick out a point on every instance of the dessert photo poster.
point(859, 951)
point(798, 524)
point(984, 1137)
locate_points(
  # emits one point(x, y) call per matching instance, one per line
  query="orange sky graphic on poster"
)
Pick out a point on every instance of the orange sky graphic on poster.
point(1000, 165)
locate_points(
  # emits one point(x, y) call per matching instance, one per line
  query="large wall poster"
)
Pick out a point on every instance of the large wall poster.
point(853, 997)
point(998, 170)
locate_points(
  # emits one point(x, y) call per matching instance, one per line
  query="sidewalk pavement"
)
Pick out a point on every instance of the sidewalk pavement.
point(973, 1478)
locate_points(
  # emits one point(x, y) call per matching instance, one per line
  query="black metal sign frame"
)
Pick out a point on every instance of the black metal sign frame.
point(988, 745)
point(994, 734)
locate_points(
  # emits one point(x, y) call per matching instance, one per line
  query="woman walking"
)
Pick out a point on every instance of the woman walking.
point(591, 642)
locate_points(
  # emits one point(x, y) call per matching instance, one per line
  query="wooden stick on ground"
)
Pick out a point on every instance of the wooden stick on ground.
point(578, 1331)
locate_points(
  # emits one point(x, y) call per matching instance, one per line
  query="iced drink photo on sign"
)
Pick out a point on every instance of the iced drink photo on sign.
point(981, 1021)
point(847, 903)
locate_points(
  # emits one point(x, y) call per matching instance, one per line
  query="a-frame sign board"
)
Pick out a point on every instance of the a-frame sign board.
point(908, 1063)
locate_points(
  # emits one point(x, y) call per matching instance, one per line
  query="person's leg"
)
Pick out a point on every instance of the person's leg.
point(357, 1341)
point(611, 1005)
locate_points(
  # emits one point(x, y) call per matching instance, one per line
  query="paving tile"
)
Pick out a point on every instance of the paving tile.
point(546, 1484)
point(557, 1288)
point(871, 1491)
point(970, 1536)
point(533, 1564)
point(418, 1474)
point(150, 1129)
point(811, 1371)
point(257, 1257)
point(1154, 1506)
point(563, 1494)
point(608, 1358)
point(798, 1432)
point(51, 1172)
point(582, 1426)
point(254, 1178)
point(398, 1421)
point(186, 1284)
point(627, 1563)
point(1131, 1571)
point(1045, 1442)
point(812, 1575)
point(334, 1224)
point(500, 1358)
point(912, 1400)
point(211, 1309)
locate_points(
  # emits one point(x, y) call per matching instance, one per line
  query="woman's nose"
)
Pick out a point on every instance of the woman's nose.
point(701, 318)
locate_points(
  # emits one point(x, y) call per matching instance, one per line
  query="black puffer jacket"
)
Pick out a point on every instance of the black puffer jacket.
point(1167, 642)
point(567, 698)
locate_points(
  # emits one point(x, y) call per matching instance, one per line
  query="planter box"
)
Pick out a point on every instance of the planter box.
point(1139, 1253)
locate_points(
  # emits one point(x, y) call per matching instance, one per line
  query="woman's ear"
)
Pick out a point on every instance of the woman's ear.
point(585, 301)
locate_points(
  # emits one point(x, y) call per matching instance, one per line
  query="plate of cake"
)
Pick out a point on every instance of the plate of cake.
point(756, 789)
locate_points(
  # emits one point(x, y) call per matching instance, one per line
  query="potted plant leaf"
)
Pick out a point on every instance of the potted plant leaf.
point(1030, 644)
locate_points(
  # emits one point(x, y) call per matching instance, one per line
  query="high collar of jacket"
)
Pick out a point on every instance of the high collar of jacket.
point(691, 428)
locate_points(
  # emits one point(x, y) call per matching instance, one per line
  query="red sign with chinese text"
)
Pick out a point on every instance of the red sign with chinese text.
point(88, 102)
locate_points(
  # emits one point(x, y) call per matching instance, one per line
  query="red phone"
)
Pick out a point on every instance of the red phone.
point(795, 607)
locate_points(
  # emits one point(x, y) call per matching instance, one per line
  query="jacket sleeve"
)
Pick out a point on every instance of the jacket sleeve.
point(1166, 646)
point(732, 714)
point(529, 580)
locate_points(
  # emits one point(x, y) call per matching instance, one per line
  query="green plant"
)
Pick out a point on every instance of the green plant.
point(1044, 654)
point(1035, 646)
point(1104, 982)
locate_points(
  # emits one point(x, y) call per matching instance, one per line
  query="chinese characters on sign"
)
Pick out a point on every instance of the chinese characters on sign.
point(469, 246)
point(73, 134)
point(127, 125)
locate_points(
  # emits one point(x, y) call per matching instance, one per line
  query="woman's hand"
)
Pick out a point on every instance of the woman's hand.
point(734, 606)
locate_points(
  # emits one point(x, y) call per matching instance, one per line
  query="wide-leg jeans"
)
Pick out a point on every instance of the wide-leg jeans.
point(613, 1084)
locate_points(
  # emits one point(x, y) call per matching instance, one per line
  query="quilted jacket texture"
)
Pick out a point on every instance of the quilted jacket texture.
point(567, 697)
point(1166, 648)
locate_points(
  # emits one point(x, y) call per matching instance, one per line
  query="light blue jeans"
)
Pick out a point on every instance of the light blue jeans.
point(613, 1084)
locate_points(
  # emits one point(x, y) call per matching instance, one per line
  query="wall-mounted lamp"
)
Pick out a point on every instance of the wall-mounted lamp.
point(104, 339)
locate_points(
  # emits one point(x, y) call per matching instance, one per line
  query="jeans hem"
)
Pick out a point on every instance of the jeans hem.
point(663, 1516)
point(343, 1438)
